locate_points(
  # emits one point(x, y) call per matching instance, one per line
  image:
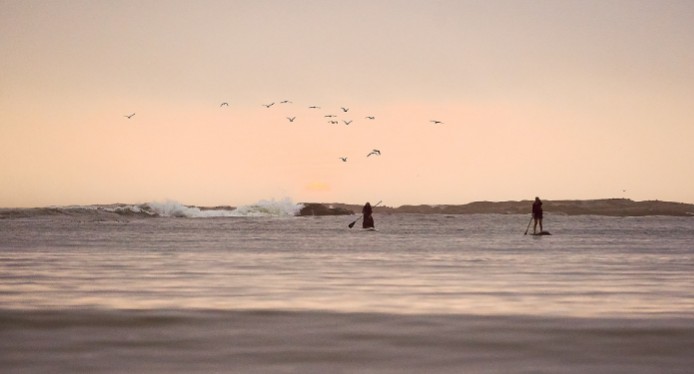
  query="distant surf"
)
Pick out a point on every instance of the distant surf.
point(264, 208)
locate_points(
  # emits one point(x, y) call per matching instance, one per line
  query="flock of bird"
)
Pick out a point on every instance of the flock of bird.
point(331, 120)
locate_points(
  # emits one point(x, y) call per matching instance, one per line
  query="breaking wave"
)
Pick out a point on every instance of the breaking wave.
point(264, 208)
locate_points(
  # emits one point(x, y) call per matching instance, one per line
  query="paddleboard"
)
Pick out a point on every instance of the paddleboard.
point(541, 233)
point(369, 229)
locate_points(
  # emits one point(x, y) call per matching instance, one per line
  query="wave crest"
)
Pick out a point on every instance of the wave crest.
point(264, 208)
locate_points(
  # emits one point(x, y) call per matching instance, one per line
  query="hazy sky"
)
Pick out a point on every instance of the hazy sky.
point(557, 99)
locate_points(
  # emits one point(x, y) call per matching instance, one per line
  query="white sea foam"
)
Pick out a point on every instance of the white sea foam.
point(172, 208)
point(169, 208)
point(264, 208)
point(274, 208)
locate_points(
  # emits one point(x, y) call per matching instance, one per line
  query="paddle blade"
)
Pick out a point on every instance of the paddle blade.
point(355, 221)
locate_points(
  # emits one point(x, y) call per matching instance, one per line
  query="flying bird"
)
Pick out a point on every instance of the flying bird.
point(344, 159)
point(129, 116)
point(435, 122)
point(329, 116)
point(333, 122)
point(374, 152)
point(370, 117)
point(223, 104)
point(269, 105)
point(344, 109)
point(291, 119)
point(314, 107)
point(347, 122)
point(285, 102)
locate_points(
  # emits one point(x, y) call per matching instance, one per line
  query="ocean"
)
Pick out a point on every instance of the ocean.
point(163, 288)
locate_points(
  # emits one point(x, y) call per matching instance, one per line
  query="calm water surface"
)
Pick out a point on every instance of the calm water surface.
point(483, 264)
point(436, 293)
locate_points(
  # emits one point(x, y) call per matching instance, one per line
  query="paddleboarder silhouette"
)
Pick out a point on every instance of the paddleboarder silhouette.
point(537, 214)
point(368, 221)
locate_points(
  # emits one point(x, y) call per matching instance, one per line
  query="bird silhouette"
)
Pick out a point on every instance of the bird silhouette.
point(344, 159)
point(333, 122)
point(285, 102)
point(329, 116)
point(344, 109)
point(375, 152)
point(223, 104)
point(129, 116)
point(314, 107)
point(291, 119)
point(370, 117)
point(435, 122)
point(269, 105)
point(347, 122)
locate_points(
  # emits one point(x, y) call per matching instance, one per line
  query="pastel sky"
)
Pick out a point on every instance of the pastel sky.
point(557, 99)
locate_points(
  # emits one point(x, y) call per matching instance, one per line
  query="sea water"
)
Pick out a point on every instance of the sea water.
point(261, 291)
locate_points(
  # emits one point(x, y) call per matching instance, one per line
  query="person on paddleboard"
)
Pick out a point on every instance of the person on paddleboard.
point(368, 221)
point(537, 214)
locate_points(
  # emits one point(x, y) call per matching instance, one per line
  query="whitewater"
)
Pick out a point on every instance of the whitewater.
point(169, 208)
point(163, 287)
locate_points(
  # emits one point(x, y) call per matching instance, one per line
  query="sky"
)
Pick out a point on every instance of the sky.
point(557, 99)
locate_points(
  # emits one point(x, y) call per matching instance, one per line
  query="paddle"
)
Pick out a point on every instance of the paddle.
point(358, 218)
point(527, 228)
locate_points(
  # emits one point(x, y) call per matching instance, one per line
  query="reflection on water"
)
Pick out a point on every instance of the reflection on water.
point(483, 264)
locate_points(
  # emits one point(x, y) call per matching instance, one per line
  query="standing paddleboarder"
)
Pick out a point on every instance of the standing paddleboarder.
point(367, 211)
point(537, 214)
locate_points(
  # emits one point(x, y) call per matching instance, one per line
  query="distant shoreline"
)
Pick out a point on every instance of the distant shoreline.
point(602, 207)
